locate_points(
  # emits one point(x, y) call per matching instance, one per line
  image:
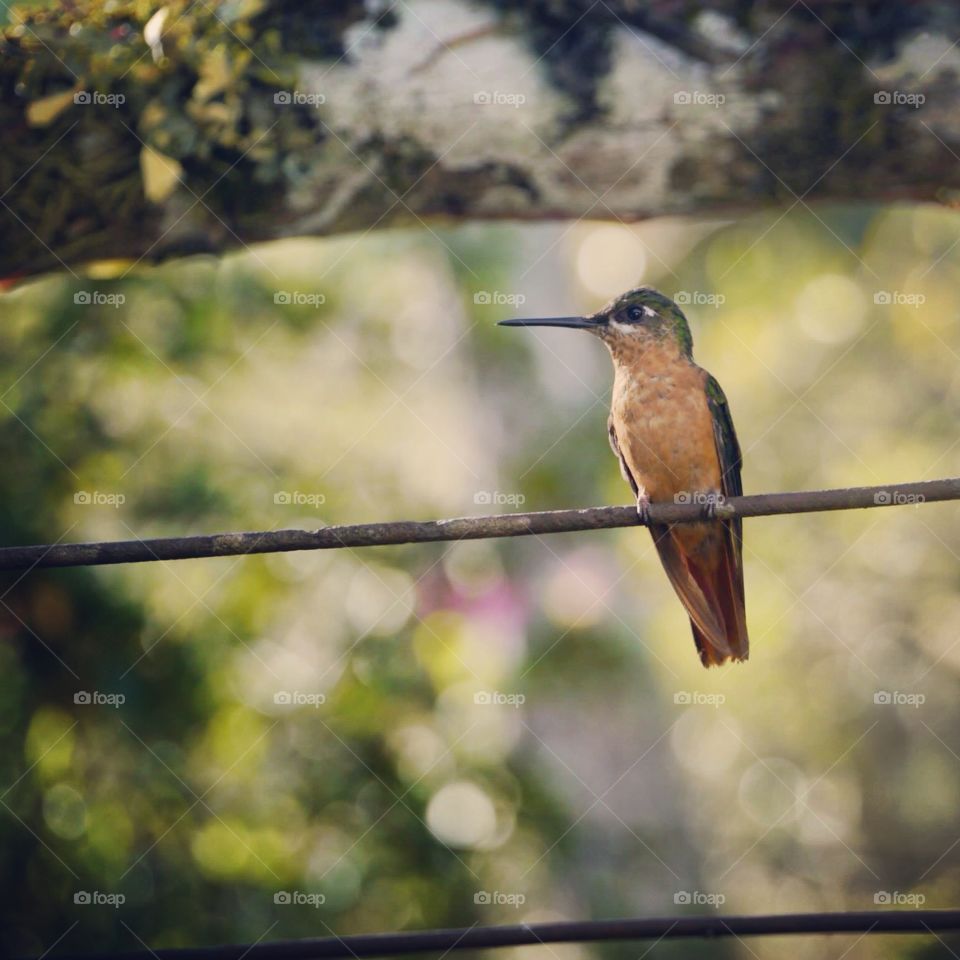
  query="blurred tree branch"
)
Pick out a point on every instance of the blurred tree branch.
point(144, 131)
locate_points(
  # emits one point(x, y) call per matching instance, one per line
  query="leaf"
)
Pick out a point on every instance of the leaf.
point(44, 111)
point(217, 73)
point(153, 32)
point(160, 174)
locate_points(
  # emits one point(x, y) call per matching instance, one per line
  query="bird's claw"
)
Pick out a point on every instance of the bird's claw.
point(711, 502)
point(643, 510)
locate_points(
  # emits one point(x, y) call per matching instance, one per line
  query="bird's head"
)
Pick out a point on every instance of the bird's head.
point(640, 316)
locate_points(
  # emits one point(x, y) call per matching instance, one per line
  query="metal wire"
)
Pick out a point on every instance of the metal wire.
point(585, 931)
point(691, 509)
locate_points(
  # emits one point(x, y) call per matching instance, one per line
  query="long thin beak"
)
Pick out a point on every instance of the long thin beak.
point(574, 323)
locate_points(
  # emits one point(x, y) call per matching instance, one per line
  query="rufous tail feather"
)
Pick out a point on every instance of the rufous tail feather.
point(711, 593)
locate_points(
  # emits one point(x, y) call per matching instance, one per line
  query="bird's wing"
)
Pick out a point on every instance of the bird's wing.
point(728, 447)
point(624, 469)
point(726, 582)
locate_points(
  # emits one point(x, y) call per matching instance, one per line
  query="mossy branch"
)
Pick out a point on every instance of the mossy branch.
point(137, 132)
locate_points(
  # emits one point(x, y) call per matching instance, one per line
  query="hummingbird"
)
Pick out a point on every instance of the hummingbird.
point(670, 428)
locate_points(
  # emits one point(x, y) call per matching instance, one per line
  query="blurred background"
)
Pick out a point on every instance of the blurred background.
point(230, 750)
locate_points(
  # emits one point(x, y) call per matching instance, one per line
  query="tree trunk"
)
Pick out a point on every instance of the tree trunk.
point(139, 131)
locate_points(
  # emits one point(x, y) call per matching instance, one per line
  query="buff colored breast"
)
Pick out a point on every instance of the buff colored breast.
point(663, 422)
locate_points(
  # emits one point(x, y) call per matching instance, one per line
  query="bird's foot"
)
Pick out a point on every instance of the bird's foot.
point(643, 509)
point(711, 501)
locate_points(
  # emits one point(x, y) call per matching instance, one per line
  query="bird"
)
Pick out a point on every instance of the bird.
point(671, 429)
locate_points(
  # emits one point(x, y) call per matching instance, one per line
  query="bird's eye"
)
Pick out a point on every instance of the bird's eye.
point(635, 314)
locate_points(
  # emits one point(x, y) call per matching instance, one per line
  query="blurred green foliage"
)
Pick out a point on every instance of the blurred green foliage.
point(349, 726)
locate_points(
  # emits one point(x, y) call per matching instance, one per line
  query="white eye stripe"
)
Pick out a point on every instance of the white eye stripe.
point(647, 312)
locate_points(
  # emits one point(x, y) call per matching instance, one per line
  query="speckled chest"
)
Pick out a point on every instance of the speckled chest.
point(663, 422)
